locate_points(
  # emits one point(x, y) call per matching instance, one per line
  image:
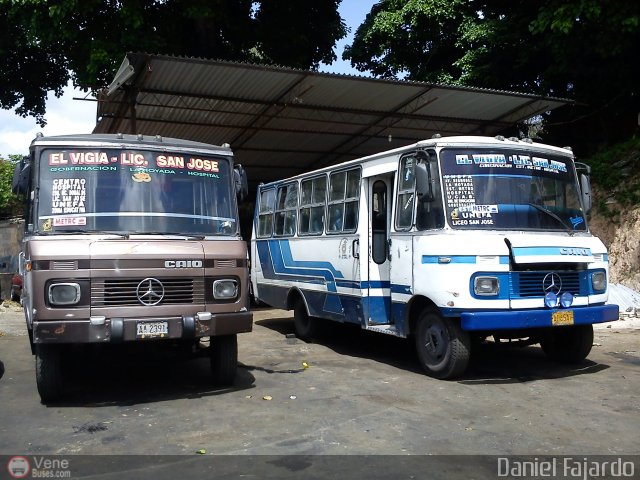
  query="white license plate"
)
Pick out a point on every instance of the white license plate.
point(152, 329)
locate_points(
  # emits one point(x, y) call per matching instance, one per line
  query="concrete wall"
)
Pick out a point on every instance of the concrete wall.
point(11, 233)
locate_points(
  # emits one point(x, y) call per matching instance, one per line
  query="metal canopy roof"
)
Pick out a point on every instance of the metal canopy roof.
point(281, 122)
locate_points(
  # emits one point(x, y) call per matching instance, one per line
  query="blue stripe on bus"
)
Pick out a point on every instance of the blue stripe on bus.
point(459, 259)
point(284, 263)
point(404, 289)
point(451, 258)
point(353, 284)
point(279, 264)
point(365, 285)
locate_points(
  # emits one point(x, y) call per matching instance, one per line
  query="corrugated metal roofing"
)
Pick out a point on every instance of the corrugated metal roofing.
point(281, 122)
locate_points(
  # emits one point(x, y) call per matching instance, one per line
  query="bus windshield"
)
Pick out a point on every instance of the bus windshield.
point(510, 189)
point(135, 191)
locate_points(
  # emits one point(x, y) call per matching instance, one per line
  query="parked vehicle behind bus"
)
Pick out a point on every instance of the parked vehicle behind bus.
point(131, 239)
point(446, 240)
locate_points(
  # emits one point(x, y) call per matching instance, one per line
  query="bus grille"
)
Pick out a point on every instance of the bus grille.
point(529, 284)
point(120, 292)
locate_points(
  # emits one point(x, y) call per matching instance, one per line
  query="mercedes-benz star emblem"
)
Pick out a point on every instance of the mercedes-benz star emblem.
point(552, 283)
point(150, 291)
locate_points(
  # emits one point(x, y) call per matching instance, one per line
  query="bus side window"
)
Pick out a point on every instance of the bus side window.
point(406, 193)
point(313, 194)
point(344, 199)
point(265, 213)
point(286, 210)
point(350, 216)
point(430, 214)
point(379, 244)
point(335, 217)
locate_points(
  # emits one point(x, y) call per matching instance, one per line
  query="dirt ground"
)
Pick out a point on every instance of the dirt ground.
point(353, 393)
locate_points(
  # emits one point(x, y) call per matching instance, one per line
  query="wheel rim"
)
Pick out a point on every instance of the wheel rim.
point(435, 343)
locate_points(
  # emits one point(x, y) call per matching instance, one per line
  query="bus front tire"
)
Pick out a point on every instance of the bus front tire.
point(48, 372)
point(223, 355)
point(442, 346)
point(568, 344)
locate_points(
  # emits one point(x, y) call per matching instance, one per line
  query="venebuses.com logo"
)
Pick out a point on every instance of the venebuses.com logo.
point(38, 467)
point(18, 467)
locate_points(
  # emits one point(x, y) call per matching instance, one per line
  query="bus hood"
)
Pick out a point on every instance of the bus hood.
point(554, 249)
point(75, 252)
point(169, 252)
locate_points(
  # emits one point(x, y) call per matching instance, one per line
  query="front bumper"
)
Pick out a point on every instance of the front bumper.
point(115, 330)
point(521, 319)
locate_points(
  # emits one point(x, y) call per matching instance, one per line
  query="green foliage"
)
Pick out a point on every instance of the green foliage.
point(10, 204)
point(586, 50)
point(615, 173)
point(415, 39)
point(46, 43)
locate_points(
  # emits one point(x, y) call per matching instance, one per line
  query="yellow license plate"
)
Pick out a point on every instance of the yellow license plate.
point(562, 317)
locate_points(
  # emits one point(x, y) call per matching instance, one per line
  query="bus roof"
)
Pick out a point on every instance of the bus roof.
point(454, 141)
point(129, 141)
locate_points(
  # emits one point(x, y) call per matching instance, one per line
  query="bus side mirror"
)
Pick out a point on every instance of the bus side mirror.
point(585, 190)
point(584, 171)
point(242, 186)
point(21, 174)
point(424, 189)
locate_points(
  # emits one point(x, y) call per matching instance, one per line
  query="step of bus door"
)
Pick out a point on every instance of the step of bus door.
point(388, 329)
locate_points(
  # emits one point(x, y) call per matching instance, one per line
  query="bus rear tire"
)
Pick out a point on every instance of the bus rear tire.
point(223, 356)
point(307, 327)
point(442, 346)
point(48, 372)
point(568, 344)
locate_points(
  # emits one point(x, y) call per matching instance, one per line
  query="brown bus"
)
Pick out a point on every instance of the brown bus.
point(131, 239)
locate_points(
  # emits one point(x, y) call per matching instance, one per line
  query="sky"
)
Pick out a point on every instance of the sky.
point(65, 115)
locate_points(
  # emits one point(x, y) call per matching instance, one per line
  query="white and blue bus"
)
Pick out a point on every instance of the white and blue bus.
point(446, 241)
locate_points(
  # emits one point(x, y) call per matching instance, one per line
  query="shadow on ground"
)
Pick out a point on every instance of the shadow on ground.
point(490, 363)
point(127, 375)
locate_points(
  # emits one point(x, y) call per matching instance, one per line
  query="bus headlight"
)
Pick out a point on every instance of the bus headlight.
point(599, 281)
point(64, 293)
point(486, 286)
point(225, 289)
point(566, 300)
point(551, 300)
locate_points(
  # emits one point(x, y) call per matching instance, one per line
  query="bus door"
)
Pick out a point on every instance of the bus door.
point(412, 217)
point(401, 239)
point(378, 300)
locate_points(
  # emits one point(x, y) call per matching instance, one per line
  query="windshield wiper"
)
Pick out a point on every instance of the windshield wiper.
point(176, 234)
point(84, 232)
point(553, 215)
point(108, 232)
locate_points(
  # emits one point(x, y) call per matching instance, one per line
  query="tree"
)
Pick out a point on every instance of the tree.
point(585, 50)
point(46, 43)
point(10, 204)
point(415, 39)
